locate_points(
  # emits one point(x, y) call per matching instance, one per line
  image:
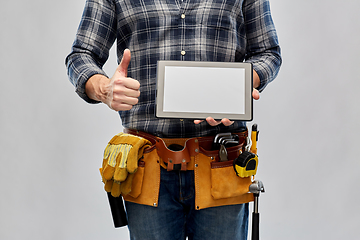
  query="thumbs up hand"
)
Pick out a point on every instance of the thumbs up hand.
point(124, 91)
point(120, 93)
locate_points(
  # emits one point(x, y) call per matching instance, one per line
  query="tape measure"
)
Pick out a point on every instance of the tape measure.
point(245, 165)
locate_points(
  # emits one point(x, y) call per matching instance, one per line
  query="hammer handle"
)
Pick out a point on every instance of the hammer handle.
point(255, 226)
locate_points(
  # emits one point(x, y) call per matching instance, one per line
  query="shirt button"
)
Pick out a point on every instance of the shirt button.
point(182, 16)
point(183, 53)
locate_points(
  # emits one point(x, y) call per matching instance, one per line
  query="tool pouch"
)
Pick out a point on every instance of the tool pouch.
point(216, 183)
point(146, 183)
point(225, 183)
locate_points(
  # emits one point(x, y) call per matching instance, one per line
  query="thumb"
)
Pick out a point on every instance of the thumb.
point(256, 94)
point(125, 61)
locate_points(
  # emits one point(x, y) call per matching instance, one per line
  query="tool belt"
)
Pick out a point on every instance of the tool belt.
point(216, 183)
point(184, 159)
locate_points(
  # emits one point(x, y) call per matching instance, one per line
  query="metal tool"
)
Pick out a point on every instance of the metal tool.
point(223, 153)
point(226, 139)
point(222, 141)
point(256, 188)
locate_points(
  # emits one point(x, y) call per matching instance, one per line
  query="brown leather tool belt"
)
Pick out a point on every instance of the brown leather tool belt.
point(184, 159)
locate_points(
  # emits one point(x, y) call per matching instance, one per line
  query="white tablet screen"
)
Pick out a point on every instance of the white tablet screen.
point(201, 89)
point(219, 90)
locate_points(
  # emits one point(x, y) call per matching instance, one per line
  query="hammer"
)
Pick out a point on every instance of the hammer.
point(256, 187)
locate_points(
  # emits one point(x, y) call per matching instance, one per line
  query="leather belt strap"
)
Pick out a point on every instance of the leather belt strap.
point(192, 147)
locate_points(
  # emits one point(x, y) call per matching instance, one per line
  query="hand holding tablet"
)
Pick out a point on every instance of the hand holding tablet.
point(198, 90)
point(211, 121)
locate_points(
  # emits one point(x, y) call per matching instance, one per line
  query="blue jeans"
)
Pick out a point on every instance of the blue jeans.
point(176, 218)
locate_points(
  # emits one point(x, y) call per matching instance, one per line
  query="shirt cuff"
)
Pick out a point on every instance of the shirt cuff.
point(80, 87)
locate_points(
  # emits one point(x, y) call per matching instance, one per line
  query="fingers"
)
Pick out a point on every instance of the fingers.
point(124, 83)
point(227, 122)
point(209, 120)
point(198, 121)
point(212, 122)
point(125, 94)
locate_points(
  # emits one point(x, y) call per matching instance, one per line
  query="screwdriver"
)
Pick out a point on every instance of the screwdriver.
point(254, 138)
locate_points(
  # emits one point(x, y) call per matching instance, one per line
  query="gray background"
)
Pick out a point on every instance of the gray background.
point(51, 141)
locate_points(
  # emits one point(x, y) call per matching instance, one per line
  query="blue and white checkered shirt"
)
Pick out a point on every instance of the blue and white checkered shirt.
point(183, 30)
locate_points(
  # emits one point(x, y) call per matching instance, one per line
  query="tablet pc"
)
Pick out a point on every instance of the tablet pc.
point(197, 90)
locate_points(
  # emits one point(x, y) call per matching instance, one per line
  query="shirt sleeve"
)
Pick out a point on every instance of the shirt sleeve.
point(263, 49)
point(95, 36)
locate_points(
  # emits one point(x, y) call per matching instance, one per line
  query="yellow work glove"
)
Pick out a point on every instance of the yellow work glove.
point(120, 162)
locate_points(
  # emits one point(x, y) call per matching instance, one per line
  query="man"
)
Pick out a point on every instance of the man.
point(184, 30)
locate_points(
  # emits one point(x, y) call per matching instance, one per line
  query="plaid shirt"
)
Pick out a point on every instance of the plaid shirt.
point(183, 30)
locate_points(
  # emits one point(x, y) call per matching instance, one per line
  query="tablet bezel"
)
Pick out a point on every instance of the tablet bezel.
point(247, 116)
